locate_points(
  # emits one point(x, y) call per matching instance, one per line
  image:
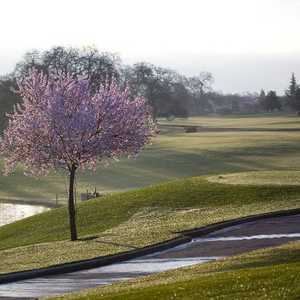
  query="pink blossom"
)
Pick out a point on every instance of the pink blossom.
point(60, 124)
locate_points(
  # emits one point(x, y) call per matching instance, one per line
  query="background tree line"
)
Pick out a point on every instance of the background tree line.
point(170, 93)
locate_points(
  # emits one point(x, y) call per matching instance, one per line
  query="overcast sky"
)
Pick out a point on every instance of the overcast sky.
point(246, 44)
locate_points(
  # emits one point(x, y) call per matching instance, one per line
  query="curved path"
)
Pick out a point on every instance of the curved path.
point(229, 241)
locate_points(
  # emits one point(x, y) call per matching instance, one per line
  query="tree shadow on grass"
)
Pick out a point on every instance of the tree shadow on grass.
point(95, 237)
point(165, 163)
point(117, 244)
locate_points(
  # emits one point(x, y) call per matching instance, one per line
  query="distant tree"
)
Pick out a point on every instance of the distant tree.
point(199, 87)
point(232, 103)
point(179, 104)
point(270, 102)
point(62, 125)
point(166, 91)
point(146, 82)
point(8, 98)
point(163, 88)
point(262, 99)
point(235, 106)
point(86, 62)
point(293, 87)
point(262, 94)
point(293, 94)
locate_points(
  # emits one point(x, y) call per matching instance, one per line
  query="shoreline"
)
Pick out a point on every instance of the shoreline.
point(34, 202)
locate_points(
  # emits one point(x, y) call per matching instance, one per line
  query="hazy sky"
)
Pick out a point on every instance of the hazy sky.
point(246, 44)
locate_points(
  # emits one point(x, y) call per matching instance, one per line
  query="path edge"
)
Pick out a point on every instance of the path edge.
point(184, 237)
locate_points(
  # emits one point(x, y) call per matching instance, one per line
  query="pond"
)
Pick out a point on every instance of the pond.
point(11, 212)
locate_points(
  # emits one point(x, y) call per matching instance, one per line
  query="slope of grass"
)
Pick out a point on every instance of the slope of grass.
point(134, 219)
point(175, 154)
point(273, 273)
point(259, 178)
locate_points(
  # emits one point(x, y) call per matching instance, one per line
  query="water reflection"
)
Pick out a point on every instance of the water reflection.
point(10, 212)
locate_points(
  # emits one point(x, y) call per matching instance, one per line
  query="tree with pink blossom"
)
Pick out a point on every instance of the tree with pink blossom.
point(61, 124)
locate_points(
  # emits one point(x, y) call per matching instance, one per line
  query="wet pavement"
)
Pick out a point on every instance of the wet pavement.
point(53, 285)
point(225, 242)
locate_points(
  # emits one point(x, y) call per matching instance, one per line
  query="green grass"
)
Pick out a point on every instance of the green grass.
point(245, 284)
point(134, 219)
point(259, 178)
point(272, 273)
point(175, 154)
point(267, 121)
point(124, 221)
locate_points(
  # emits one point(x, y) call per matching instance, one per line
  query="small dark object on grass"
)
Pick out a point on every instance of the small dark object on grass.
point(88, 238)
point(191, 129)
point(88, 195)
point(171, 117)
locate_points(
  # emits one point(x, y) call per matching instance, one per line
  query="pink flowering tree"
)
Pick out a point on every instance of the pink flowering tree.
point(61, 125)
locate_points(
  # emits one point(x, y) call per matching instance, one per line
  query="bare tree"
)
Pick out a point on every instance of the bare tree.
point(199, 86)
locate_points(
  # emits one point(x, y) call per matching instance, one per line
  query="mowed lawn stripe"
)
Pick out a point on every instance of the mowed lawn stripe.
point(134, 219)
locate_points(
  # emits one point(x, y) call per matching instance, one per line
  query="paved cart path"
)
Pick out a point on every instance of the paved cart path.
point(232, 240)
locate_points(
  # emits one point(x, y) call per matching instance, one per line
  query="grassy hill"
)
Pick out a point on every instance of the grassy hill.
point(127, 220)
point(133, 219)
point(257, 143)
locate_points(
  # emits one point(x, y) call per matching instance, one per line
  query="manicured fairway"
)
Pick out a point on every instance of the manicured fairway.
point(176, 154)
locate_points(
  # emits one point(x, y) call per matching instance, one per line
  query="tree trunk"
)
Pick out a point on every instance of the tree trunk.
point(72, 213)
